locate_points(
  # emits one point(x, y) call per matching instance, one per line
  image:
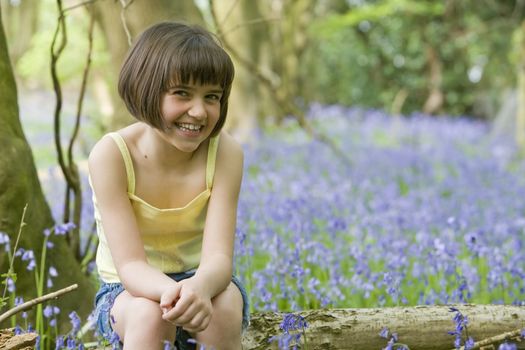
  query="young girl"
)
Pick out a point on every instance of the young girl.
point(165, 191)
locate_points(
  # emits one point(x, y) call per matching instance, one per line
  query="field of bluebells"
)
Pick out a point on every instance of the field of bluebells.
point(419, 211)
point(426, 211)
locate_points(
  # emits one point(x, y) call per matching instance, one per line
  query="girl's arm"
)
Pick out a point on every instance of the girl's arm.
point(109, 180)
point(215, 269)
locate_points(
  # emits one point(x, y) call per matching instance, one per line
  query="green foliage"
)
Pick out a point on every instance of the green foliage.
point(376, 50)
point(34, 65)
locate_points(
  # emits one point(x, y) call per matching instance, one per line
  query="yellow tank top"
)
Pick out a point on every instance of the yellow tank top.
point(172, 237)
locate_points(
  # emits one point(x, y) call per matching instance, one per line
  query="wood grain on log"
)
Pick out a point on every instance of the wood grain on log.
point(10, 341)
point(420, 327)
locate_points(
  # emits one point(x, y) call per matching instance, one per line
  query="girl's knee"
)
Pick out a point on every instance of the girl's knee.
point(138, 314)
point(144, 309)
point(227, 306)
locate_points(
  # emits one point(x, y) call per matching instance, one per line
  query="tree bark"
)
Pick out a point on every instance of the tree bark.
point(19, 185)
point(420, 327)
point(244, 25)
point(20, 22)
point(520, 116)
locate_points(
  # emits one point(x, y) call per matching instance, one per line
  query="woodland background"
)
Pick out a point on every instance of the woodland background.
point(448, 60)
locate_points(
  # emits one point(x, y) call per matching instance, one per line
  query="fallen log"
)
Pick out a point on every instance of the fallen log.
point(10, 341)
point(419, 327)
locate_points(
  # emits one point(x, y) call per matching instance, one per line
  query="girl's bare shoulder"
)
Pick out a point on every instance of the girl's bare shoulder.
point(229, 147)
point(230, 158)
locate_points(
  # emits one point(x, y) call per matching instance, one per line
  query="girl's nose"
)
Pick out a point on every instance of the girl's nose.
point(197, 110)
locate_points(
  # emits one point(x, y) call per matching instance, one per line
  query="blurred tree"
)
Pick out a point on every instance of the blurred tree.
point(121, 21)
point(441, 56)
point(520, 114)
point(243, 23)
point(273, 50)
point(19, 185)
point(21, 21)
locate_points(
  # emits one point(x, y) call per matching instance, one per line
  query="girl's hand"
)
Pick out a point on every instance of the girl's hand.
point(169, 298)
point(192, 306)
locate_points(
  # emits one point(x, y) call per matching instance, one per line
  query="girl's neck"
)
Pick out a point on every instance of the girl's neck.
point(157, 149)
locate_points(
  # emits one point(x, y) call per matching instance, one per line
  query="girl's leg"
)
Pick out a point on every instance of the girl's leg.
point(139, 324)
point(224, 330)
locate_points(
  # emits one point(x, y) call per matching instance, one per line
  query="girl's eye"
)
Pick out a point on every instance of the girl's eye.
point(180, 93)
point(214, 97)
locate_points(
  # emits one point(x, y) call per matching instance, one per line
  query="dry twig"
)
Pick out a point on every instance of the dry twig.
point(29, 304)
point(496, 339)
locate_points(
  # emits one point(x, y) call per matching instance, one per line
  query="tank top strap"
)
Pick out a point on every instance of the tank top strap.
point(126, 156)
point(210, 164)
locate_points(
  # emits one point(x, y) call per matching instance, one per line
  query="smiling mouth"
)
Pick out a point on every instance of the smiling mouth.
point(189, 127)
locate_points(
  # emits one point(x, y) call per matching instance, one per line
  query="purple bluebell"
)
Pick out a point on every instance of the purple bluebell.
point(48, 311)
point(4, 240)
point(75, 322)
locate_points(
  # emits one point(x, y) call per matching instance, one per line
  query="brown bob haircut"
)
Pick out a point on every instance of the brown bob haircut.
point(170, 53)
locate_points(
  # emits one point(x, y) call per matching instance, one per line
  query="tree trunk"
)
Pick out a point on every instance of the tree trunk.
point(19, 185)
point(243, 26)
point(420, 327)
point(21, 22)
point(138, 16)
point(520, 116)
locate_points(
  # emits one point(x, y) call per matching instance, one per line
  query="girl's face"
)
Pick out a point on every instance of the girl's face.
point(190, 112)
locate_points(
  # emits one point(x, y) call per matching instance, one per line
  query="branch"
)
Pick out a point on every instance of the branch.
point(230, 10)
point(495, 339)
point(84, 3)
point(75, 184)
point(125, 5)
point(250, 22)
point(29, 304)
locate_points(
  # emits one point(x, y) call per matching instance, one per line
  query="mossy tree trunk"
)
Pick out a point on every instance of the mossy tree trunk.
point(19, 186)
point(520, 117)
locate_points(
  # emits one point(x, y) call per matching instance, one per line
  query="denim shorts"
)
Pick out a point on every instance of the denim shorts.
point(108, 292)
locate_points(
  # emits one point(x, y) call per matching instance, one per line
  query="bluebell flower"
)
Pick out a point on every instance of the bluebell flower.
point(71, 343)
point(5, 241)
point(10, 285)
point(37, 343)
point(384, 333)
point(293, 322)
point(59, 343)
point(390, 344)
point(62, 229)
point(507, 346)
point(469, 343)
point(75, 322)
point(48, 311)
point(53, 272)
point(114, 340)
